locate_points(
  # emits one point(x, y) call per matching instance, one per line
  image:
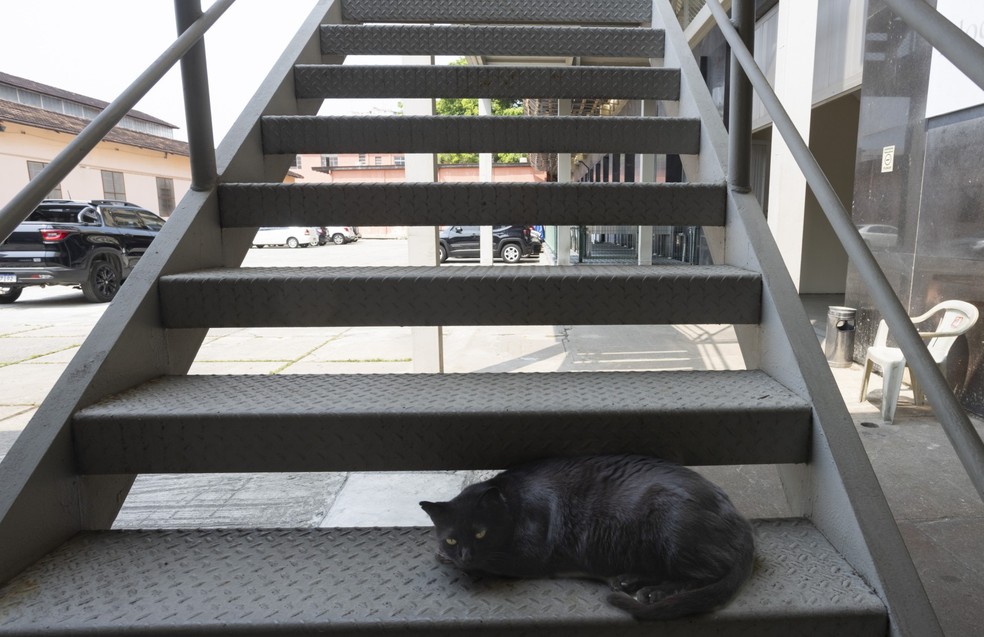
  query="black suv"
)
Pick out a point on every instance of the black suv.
point(89, 244)
point(510, 243)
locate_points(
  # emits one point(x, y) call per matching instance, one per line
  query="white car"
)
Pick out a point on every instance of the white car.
point(291, 236)
point(342, 234)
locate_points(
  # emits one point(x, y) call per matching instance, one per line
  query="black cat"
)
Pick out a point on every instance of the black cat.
point(668, 541)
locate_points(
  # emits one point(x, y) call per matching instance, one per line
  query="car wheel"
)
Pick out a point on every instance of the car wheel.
point(442, 252)
point(338, 238)
point(10, 294)
point(292, 242)
point(103, 282)
point(511, 253)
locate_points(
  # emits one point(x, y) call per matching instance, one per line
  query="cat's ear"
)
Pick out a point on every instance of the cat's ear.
point(436, 510)
point(492, 498)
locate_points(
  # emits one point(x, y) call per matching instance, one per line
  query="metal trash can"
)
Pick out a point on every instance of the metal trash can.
point(839, 341)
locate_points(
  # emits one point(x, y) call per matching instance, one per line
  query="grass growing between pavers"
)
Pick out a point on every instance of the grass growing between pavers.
point(35, 357)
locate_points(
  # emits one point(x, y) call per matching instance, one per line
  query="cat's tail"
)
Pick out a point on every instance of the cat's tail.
point(670, 601)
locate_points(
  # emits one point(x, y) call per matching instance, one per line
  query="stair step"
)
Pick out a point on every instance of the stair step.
point(515, 11)
point(292, 134)
point(338, 422)
point(426, 204)
point(377, 581)
point(337, 81)
point(449, 295)
point(421, 39)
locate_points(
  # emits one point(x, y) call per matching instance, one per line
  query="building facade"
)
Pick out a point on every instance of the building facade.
point(139, 161)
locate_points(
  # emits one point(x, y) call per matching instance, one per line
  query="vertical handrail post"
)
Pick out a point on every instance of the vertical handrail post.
point(198, 106)
point(740, 99)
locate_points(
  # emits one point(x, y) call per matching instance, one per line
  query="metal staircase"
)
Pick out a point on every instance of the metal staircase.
point(126, 406)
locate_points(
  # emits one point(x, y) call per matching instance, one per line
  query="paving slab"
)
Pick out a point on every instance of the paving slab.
point(652, 348)
point(15, 417)
point(947, 556)
point(514, 348)
point(919, 470)
point(390, 499)
point(242, 347)
point(285, 500)
point(366, 344)
point(28, 383)
point(237, 367)
point(21, 348)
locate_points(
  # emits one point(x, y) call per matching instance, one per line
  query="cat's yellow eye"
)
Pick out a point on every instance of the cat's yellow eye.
point(451, 541)
point(480, 534)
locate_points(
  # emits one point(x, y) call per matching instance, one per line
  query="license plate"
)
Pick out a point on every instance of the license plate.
point(8, 278)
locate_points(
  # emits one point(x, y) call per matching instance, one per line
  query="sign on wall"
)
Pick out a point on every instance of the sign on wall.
point(949, 89)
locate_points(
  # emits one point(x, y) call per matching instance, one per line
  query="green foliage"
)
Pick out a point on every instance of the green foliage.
point(469, 106)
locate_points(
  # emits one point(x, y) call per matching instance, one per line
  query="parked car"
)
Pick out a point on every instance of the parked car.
point(341, 234)
point(290, 236)
point(878, 235)
point(93, 245)
point(509, 243)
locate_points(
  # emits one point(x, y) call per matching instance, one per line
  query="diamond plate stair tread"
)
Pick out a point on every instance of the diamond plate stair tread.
point(448, 295)
point(296, 134)
point(537, 11)
point(383, 580)
point(424, 204)
point(377, 422)
point(419, 39)
point(336, 81)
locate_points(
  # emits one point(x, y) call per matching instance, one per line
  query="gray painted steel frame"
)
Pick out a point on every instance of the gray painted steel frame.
point(442, 421)
point(331, 81)
point(386, 581)
point(464, 134)
point(44, 500)
point(635, 204)
point(535, 11)
point(420, 39)
point(838, 490)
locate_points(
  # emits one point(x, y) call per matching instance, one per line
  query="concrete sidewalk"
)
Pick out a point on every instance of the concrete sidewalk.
point(938, 511)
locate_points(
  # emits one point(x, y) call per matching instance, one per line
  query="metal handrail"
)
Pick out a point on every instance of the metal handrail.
point(968, 445)
point(25, 201)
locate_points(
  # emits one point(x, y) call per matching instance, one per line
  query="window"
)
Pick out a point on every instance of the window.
point(297, 162)
point(123, 218)
point(165, 195)
point(378, 160)
point(399, 160)
point(362, 159)
point(329, 160)
point(33, 169)
point(152, 221)
point(113, 185)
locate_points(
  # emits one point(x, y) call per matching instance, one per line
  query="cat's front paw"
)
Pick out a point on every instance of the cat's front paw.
point(629, 584)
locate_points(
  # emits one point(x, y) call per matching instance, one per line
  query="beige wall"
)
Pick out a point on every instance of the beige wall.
point(20, 144)
point(389, 172)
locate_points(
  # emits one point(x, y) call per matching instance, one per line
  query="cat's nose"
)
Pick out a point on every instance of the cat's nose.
point(465, 555)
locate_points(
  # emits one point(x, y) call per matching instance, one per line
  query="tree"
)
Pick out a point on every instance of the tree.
point(469, 106)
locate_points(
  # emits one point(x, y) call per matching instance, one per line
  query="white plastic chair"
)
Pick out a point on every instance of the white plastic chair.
point(958, 317)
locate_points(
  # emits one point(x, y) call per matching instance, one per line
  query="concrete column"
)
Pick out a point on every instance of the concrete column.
point(564, 177)
point(646, 167)
point(795, 45)
point(485, 176)
point(422, 242)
